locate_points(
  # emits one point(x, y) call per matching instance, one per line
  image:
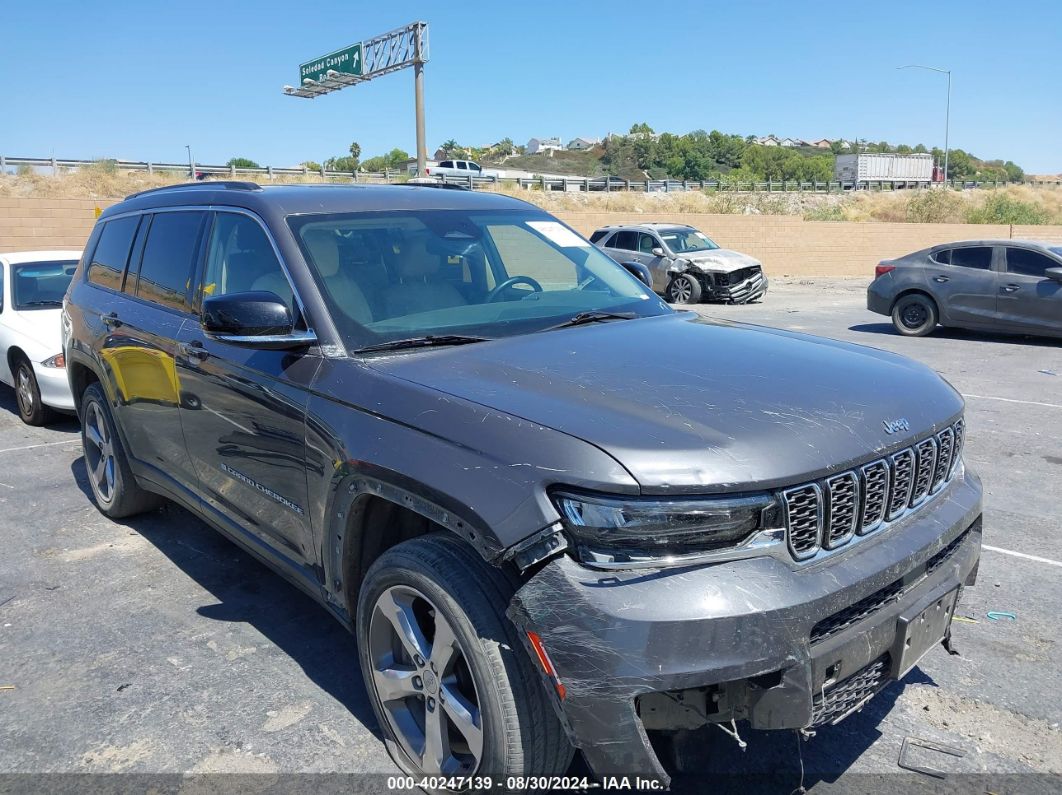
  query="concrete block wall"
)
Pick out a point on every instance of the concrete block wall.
point(787, 245)
point(35, 224)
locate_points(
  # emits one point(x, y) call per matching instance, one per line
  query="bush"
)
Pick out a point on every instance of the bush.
point(1002, 209)
point(934, 206)
point(825, 212)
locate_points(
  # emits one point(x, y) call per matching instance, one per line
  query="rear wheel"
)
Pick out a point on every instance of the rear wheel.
point(28, 395)
point(684, 289)
point(453, 689)
point(113, 485)
point(915, 315)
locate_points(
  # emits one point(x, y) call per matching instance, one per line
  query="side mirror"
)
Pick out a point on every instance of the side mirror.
point(257, 319)
point(1054, 273)
point(658, 252)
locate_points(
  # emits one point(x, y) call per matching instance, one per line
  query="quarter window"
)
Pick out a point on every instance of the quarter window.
point(240, 259)
point(600, 233)
point(169, 256)
point(943, 257)
point(1022, 262)
point(112, 252)
point(978, 257)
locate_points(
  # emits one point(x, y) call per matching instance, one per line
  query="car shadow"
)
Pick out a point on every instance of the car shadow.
point(249, 592)
point(776, 761)
point(961, 334)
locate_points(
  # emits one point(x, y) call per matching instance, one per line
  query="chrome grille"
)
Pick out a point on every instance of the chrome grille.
point(828, 513)
point(875, 495)
point(901, 469)
point(960, 438)
point(945, 445)
point(926, 464)
point(803, 513)
point(842, 493)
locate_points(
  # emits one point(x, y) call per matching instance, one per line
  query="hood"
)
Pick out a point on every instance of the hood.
point(40, 331)
point(720, 260)
point(687, 404)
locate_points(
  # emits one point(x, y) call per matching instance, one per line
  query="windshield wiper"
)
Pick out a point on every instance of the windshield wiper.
point(40, 303)
point(593, 316)
point(423, 342)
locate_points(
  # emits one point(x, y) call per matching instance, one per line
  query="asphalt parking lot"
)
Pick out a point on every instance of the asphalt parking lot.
point(155, 646)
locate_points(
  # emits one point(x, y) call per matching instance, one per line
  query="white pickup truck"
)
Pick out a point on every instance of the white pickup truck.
point(459, 168)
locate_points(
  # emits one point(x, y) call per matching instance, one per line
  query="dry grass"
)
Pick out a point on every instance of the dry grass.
point(1016, 205)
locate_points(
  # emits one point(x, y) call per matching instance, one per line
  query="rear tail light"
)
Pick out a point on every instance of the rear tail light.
point(427, 171)
point(883, 268)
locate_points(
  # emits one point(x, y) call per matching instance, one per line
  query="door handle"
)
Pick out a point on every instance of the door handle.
point(193, 350)
point(940, 279)
point(1010, 288)
point(111, 320)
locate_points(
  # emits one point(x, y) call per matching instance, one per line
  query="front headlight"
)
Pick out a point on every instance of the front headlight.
point(619, 529)
point(55, 362)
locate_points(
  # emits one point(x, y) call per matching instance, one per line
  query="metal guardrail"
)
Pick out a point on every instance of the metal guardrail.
point(572, 184)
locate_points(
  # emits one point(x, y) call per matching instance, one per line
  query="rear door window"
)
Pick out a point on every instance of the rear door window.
point(977, 257)
point(169, 257)
point(112, 252)
point(628, 241)
point(461, 166)
point(1022, 262)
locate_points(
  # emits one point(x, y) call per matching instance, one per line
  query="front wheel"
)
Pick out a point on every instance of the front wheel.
point(684, 289)
point(915, 315)
point(28, 395)
point(452, 687)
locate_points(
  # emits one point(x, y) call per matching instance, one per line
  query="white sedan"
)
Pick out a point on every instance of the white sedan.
point(32, 286)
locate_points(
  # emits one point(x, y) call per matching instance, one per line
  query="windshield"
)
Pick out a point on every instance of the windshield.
point(1056, 250)
point(396, 275)
point(41, 285)
point(684, 240)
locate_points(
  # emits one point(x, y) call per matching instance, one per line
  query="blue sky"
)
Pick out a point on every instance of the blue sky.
point(139, 80)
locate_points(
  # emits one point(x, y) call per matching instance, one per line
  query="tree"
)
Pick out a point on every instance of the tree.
point(241, 162)
point(1014, 171)
point(348, 164)
point(312, 165)
point(450, 146)
point(642, 130)
point(355, 152)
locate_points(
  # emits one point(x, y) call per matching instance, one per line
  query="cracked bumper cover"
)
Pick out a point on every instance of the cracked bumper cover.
point(615, 636)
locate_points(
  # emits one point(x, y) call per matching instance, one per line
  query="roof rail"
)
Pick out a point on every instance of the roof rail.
point(204, 185)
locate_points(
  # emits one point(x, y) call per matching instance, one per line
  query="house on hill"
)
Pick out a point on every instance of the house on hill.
point(822, 143)
point(766, 140)
point(582, 144)
point(537, 146)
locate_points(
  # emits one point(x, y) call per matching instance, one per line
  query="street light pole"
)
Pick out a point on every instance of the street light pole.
point(191, 166)
point(947, 109)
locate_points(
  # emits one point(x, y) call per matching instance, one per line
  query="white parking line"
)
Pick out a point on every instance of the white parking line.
point(44, 444)
point(1048, 561)
point(1012, 400)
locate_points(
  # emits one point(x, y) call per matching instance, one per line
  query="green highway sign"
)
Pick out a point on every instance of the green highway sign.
point(346, 61)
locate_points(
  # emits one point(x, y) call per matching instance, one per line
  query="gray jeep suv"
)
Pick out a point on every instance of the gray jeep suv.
point(485, 448)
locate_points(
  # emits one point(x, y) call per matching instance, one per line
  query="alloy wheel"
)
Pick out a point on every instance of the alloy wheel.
point(24, 392)
point(914, 315)
point(422, 678)
point(99, 453)
point(681, 290)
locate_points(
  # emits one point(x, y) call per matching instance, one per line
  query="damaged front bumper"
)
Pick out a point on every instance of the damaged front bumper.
point(781, 645)
point(737, 287)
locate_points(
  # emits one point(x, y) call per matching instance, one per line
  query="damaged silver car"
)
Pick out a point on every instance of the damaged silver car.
point(686, 266)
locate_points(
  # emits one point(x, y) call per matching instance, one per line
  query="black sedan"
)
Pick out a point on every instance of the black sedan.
point(1012, 286)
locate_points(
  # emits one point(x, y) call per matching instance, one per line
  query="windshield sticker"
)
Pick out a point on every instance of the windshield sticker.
point(558, 233)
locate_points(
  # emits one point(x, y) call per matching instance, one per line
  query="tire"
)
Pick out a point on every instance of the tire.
point(28, 395)
point(915, 315)
point(414, 584)
point(684, 289)
point(113, 486)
